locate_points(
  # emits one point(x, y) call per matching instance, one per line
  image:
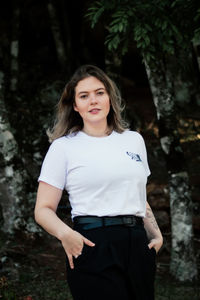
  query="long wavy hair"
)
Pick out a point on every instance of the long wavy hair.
point(69, 121)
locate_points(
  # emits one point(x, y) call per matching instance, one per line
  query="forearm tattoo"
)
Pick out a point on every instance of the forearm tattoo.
point(151, 218)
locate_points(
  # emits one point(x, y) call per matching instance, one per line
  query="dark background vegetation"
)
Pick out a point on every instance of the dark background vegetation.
point(32, 264)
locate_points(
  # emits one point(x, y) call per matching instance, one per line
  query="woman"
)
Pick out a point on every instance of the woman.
point(111, 249)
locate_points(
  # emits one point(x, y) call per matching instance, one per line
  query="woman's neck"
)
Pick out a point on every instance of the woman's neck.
point(96, 131)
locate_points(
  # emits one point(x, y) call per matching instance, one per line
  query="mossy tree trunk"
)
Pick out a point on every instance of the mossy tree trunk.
point(11, 177)
point(15, 200)
point(183, 264)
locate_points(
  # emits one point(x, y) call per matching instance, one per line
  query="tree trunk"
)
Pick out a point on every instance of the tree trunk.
point(65, 12)
point(11, 180)
point(186, 77)
point(56, 31)
point(183, 265)
point(196, 46)
point(14, 49)
point(16, 202)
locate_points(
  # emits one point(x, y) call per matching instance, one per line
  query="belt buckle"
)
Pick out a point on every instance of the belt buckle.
point(129, 221)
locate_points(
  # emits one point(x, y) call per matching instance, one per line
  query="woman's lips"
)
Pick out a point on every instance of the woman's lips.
point(94, 111)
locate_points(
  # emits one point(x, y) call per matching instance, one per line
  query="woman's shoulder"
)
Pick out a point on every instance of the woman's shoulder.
point(64, 139)
point(65, 142)
point(132, 133)
point(60, 142)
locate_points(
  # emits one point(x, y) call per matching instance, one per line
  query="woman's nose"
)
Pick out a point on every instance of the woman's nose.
point(93, 98)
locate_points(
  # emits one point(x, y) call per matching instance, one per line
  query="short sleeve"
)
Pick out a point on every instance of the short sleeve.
point(54, 166)
point(144, 156)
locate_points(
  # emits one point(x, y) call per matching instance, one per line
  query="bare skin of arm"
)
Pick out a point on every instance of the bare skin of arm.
point(48, 198)
point(153, 232)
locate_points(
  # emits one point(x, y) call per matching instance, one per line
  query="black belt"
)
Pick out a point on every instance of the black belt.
point(90, 222)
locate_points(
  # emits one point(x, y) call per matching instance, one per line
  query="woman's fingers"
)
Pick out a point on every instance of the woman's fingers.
point(73, 247)
point(77, 255)
point(156, 243)
point(151, 244)
point(88, 242)
point(70, 258)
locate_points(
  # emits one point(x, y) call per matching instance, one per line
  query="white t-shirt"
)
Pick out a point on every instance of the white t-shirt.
point(104, 176)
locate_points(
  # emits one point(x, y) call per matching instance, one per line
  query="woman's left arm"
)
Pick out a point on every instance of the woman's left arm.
point(153, 232)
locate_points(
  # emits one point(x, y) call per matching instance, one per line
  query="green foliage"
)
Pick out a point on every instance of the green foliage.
point(94, 13)
point(157, 27)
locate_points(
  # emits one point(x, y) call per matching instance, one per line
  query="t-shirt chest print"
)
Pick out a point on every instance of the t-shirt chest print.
point(134, 156)
point(134, 159)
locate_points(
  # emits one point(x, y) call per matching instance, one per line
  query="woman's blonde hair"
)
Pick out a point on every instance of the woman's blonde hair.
point(69, 121)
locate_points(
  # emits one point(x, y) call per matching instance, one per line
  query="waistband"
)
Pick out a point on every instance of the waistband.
point(91, 222)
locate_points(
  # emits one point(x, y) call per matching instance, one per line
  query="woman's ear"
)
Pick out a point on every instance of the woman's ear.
point(75, 107)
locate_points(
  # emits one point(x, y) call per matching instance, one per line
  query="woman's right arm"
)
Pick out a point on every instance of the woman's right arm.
point(48, 198)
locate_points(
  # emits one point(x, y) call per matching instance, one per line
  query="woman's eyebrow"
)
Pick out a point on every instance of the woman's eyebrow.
point(83, 92)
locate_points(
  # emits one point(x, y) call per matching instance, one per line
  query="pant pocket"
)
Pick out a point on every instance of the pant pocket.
point(86, 254)
point(153, 250)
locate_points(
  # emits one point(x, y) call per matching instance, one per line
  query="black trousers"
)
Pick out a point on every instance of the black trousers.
point(120, 266)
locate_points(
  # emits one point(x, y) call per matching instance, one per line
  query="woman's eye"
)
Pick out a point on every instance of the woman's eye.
point(83, 96)
point(100, 93)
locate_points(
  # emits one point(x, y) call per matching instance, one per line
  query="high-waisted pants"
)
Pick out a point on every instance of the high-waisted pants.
point(119, 267)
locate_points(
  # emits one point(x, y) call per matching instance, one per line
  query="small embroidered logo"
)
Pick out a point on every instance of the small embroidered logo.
point(134, 156)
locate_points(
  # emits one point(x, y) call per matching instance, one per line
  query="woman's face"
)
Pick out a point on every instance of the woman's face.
point(92, 101)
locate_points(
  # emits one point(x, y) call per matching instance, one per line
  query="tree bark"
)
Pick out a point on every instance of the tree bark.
point(186, 77)
point(14, 48)
point(16, 201)
point(183, 263)
point(11, 180)
point(196, 46)
point(56, 31)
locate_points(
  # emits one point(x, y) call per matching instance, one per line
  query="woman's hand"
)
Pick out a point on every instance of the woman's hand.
point(48, 198)
point(156, 243)
point(153, 232)
point(73, 242)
